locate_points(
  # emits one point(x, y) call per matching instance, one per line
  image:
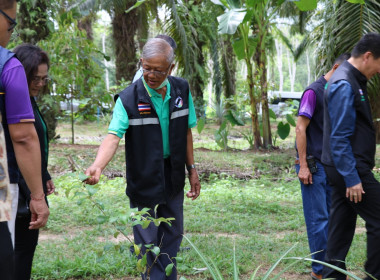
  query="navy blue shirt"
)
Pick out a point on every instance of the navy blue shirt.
point(343, 119)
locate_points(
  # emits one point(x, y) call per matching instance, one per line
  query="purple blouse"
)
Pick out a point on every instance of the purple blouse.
point(17, 100)
point(308, 102)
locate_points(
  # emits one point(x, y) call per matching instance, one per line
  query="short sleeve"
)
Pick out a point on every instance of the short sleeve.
point(192, 115)
point(17, 100)
point(120, 122)
point(308, 102)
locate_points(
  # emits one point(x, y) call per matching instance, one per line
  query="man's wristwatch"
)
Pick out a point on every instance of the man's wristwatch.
point(189, 167)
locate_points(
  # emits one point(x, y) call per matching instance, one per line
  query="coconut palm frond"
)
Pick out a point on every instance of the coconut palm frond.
point(339, 33)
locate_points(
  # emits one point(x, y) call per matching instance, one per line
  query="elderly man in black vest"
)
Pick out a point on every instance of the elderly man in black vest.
point(316, 192)
point(349, 147)
point(156, 114)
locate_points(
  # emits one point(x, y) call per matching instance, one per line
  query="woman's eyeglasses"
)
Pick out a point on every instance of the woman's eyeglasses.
point(36, 80)
point(12, 22)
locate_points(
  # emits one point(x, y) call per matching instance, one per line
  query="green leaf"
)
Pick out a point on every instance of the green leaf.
point(155, 208)
point(179, 259)
point(239, 47)
point(82, 176)
point(169, 269)
point(220, 2)
point(116, 234)
point(233, 118)
point(138, 3)
point(156, 250)
point(234, 3)
point(145, 224)
point(356, 1)
point(144, 261)
point(140, 267)
point(290, 120)
point(201, 124)
point(229, 21)
point(283, 130)
point(272, 114)
point(91, 190)
point(101, 219)
point(306, 5)
point(137, 249)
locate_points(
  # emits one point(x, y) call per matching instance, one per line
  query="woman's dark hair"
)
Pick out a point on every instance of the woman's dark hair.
point(31, 57)
point(6, 4)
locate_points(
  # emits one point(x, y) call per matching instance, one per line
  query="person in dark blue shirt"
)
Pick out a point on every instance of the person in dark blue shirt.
point(349, 147)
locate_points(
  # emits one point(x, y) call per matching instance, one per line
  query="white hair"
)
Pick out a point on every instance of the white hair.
point(158, 47)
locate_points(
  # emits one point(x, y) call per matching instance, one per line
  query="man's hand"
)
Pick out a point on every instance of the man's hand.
point(40, 213)
point(94, 175)
point(195, 185)
point(50, 187)
point(305, 176)
point(354, 193)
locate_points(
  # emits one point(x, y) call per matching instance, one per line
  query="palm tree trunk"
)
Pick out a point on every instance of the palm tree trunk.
point(86, 24)
point(124, 29)
point(229, 69)
point(253, 104)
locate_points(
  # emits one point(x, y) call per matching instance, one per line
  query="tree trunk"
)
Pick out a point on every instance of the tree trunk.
point(228, 69)
point(261, 76)
point(72, 115)
point(279, 65)
point(253, 103)
point(86, 24)
point(124, 29)
point(196, 82)
point(292, 71)
point(267, 135)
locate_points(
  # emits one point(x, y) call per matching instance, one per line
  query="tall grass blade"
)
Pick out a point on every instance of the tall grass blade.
point(253, 277)
point(236, 271)
point(277, 262)
point(352, 276)
point(286, 268)
point(215, 274)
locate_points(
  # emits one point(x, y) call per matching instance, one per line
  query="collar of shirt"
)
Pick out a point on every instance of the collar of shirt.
point(154, 94)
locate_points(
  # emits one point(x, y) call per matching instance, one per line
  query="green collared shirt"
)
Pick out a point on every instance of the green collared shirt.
point(120, 122)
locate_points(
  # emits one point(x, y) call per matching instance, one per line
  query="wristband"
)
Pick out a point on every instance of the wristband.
point(189, 167)
point(37, 198)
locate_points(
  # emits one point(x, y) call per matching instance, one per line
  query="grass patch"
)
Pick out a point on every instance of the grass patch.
point(250, 200)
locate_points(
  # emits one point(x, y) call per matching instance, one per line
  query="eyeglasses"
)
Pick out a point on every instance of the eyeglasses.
point(158, 74)
point(12, 22)
point(36, 80)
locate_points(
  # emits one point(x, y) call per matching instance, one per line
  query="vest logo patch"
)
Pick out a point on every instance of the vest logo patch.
point(361, 95)
point(178, 102)
point(144, 108)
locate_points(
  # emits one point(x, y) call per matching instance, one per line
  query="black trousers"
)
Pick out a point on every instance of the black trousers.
point(25, 244)
point(342, 223)
point(6, 253)
point(167, 238)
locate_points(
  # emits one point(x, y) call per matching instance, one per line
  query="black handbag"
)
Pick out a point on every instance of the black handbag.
point(23, 199)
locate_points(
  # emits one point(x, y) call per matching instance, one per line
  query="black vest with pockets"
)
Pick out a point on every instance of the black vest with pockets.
point(363, 141)
point(14, 173)
point(314, 131)
point(144, 147)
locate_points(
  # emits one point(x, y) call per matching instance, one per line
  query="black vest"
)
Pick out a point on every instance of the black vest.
point(144, 147)
point(14, 173)
point(363, 141)
point(314, 131)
